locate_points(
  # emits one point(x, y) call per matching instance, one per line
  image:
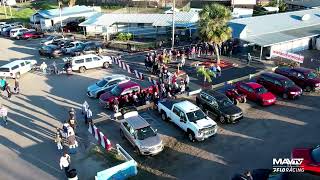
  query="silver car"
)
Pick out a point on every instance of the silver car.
point(140, 134)
point(105, 84)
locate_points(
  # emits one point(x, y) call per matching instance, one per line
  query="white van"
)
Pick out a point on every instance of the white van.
point(89, 61)
point(16, 32)
point(16, 68)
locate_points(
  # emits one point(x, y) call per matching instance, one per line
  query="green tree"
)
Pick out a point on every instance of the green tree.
point(206, 73)
point(282, 5)
point(213, 26)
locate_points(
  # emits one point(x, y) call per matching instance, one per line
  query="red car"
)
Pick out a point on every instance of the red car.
point(121, 90)
point(256, 92)
point(32, 34)
point(311, 158)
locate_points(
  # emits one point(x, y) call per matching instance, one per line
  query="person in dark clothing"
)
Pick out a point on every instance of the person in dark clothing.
point(16, 86)
point(8, 89)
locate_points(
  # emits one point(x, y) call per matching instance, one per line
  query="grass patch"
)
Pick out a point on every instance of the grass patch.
point(44, 5)
point(22, 14)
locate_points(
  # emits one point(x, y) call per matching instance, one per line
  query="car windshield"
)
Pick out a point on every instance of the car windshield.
point(50, 37)
point(145, 133)
point(4, 70)
point(315, 153)
point(311, 75)
point(261, 90)
point(223, 103)
point(102, 83)
point(116, 91)
point(196, 115)
point(288, 83)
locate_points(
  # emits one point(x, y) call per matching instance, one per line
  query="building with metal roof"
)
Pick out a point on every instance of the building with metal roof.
point(51, 18)
point(289, 32)
point(302, 4)
point(138, 24)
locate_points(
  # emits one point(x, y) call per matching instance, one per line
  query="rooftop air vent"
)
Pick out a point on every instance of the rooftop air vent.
point(305, 17)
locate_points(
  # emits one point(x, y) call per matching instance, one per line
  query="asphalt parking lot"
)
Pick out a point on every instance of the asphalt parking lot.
point(28, 151)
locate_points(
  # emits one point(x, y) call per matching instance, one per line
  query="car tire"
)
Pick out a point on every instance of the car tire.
point(18, 75)
point(106, 65)
point(82, 69)
point(121, 134)
point(222, 119)
point(285, 96)
point(308, 89)
point(190, 135)
point(164, 116)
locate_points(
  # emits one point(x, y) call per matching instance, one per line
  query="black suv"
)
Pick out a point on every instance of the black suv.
point(219, 105)
point(88, 48)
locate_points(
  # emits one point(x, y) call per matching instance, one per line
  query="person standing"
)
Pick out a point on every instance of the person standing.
point(8, 89)
point(85, 107)
point(3, 83)
point(187, 81)
point(219, 70)
point(65, 162)
point(183, 59)
point(43, 68)
point(58, 139)
point(88, 116)
point(4, 114)
point(72, 113)
point(73, 124)
point(16, 86)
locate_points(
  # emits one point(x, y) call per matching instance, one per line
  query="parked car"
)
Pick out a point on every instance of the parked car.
point(16, 68)
point(50, 39)
point(305, 78)
point(73, 47)
point(219, 105)
point(15, 33)
point(62, 43)
point(106, 84)
point(311, 158)
point(257, 93)
point(88, 48)
point(140, 134)
point(120, 90)
point(279, 84)
point(189, 117)
point(72, 27)
point(50, 51)
point(30, 35)
point(7, 30)
point(236, 97)
point(89, 61)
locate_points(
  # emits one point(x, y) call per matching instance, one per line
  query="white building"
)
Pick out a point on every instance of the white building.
point(287, 32)
point(139, 24)
point(51, 18)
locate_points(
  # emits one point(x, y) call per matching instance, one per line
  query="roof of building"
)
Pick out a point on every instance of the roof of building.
point(67, 11)
point(304, 3)
point(154, 19)
point(276, 28)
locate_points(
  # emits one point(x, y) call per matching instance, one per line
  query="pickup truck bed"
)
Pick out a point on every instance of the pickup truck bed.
point(168, 104)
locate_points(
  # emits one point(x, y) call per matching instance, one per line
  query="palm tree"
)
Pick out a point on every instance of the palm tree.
point(206, 73)
point(213, 26)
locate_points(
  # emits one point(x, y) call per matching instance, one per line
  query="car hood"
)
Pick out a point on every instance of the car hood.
point(205, 123)
point(267, 96)
point(107, 96)
point(151, 141)
point(294, 89)
point(93, 87)
point(231, 110)
point(304, 153)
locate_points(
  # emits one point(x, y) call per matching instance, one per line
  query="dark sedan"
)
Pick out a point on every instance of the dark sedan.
point(50, 51)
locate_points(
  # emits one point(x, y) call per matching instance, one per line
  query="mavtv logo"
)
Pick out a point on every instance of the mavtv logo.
point(287, 161)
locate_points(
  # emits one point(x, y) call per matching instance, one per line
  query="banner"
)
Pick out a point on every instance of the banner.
point(294, 57)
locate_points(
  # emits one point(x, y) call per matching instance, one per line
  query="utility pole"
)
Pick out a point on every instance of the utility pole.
point(173, 14)
point(60, 13)
point(5, 9)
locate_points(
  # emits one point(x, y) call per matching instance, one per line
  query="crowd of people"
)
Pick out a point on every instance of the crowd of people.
point(5, 86)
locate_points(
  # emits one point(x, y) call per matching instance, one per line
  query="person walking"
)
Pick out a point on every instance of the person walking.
point(72, 113)
point(219, 70)
point(65, 162)
point(73, 124)
point(16, 86)
point(187, 81)
point(43, 68)
point(3, 83)
point(8, 89)
point(4, 114)
point(88, 116)
point(85, 107)
point(58, 139)
point(183, 59)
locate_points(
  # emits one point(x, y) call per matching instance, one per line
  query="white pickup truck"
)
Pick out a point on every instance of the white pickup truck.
point(189, 117)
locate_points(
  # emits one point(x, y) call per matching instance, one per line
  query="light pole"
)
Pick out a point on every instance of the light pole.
point(173, 13)
point(60, 14)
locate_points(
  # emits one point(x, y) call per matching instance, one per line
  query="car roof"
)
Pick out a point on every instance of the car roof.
point(13, 63)
point(84, 56)
point(128, 84)
point(274, 75)
point(302, 70)
point(253, 85)
point(114, 76)
point(137, 122)
point(215, 94)
point(187, 106)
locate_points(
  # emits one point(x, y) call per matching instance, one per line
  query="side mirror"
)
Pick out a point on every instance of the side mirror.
point(156, 131)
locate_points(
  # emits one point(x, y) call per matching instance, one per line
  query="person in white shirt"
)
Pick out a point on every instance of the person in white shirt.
point(219, 70)
point(65, 162)
point(88, 116)
point(43, 68)
point(3, 114)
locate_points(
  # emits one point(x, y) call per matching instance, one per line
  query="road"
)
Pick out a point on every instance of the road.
point(27, 150)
